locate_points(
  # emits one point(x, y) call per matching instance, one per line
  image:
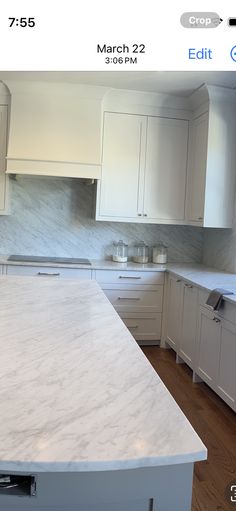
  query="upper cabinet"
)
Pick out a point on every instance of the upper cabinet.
point(124, 139)
point(198, 138)
point(165, 169)
point(211, 162)
point(143, 169)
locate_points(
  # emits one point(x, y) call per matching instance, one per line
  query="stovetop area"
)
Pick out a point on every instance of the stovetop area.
point(43, 259)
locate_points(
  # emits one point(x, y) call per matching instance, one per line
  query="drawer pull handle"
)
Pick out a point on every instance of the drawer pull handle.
point(132, 327)
point(178, 280)
point(42, 273)
point(189, 286)
point(216, 320)
point(124, 277)
point(127, 298)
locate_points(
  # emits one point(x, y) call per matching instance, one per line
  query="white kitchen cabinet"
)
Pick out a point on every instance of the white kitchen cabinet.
point(4, 184)
point(119, 194)
point(174, 311)
point(137, 296)
point(226, 380)
point(165, 168)
point(146, 328)
point(129, 277)
point(211, 159)
point(143, 169)
point(189, 324)
point(135, 299)
point(198, 135)
point(216, 355)
point(49, 271)
point(208, 347)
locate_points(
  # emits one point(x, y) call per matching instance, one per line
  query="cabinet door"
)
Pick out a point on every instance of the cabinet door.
point(209, 333)
point(189, 324)
point(226, 381)
point(166, 168)
point(174, 312)
point(122, 165)
point(196, 178)
point(3, 144)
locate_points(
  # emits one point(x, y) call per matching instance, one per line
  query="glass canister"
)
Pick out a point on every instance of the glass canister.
point(120, 252)
point(141, 253)
point(159, 254)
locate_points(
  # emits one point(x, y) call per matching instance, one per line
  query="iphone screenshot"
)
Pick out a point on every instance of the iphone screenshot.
point(117, 255)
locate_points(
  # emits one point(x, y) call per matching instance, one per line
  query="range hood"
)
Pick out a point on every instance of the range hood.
point(55, 129)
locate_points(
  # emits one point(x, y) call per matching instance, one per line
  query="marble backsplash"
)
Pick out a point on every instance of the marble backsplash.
point(55, 216)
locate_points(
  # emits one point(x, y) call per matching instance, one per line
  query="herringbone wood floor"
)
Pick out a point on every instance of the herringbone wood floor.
point(215, 423)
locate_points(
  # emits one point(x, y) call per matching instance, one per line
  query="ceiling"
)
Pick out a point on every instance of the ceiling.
point(180, 83)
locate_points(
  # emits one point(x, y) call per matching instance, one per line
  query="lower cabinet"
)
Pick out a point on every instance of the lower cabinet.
point(174, 311)
point(145, 329)
point(189, 324)
point(49, 271)
point(182, 312)
point(208, 347)
point(216, 355)
point(137, 296)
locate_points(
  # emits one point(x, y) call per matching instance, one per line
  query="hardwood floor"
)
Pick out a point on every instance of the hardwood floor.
point(215, 423)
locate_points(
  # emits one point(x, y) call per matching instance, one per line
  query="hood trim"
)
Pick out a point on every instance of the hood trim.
point(52, 168)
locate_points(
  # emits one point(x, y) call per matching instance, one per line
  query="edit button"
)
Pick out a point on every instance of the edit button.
point(200, 54)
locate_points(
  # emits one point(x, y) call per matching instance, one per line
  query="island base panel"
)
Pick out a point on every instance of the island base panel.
point(145, 489)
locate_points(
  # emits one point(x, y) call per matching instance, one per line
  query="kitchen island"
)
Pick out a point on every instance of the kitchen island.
point(83, 412)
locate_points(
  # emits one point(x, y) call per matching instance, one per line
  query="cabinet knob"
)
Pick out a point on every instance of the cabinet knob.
point(139, 214)
point(145, 214)
point(216, 320)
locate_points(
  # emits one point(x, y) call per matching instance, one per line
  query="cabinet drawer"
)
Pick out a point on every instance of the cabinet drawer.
point(129, 277)
point(149, 301)
point(50, 271)
point(144, 328)
point(227, 309)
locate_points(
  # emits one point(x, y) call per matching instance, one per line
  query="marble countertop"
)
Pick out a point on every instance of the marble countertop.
point(96, 264)
point(206, 278)
point(77, 393)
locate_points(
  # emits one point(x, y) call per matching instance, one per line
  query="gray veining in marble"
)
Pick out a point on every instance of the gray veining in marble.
point(77, 393)
point(51, 216)
point(219, 248)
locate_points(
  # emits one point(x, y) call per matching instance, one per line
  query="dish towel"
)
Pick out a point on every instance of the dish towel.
point(216, 296)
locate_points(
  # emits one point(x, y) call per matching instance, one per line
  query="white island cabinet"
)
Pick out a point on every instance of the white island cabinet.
point(77, 393)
